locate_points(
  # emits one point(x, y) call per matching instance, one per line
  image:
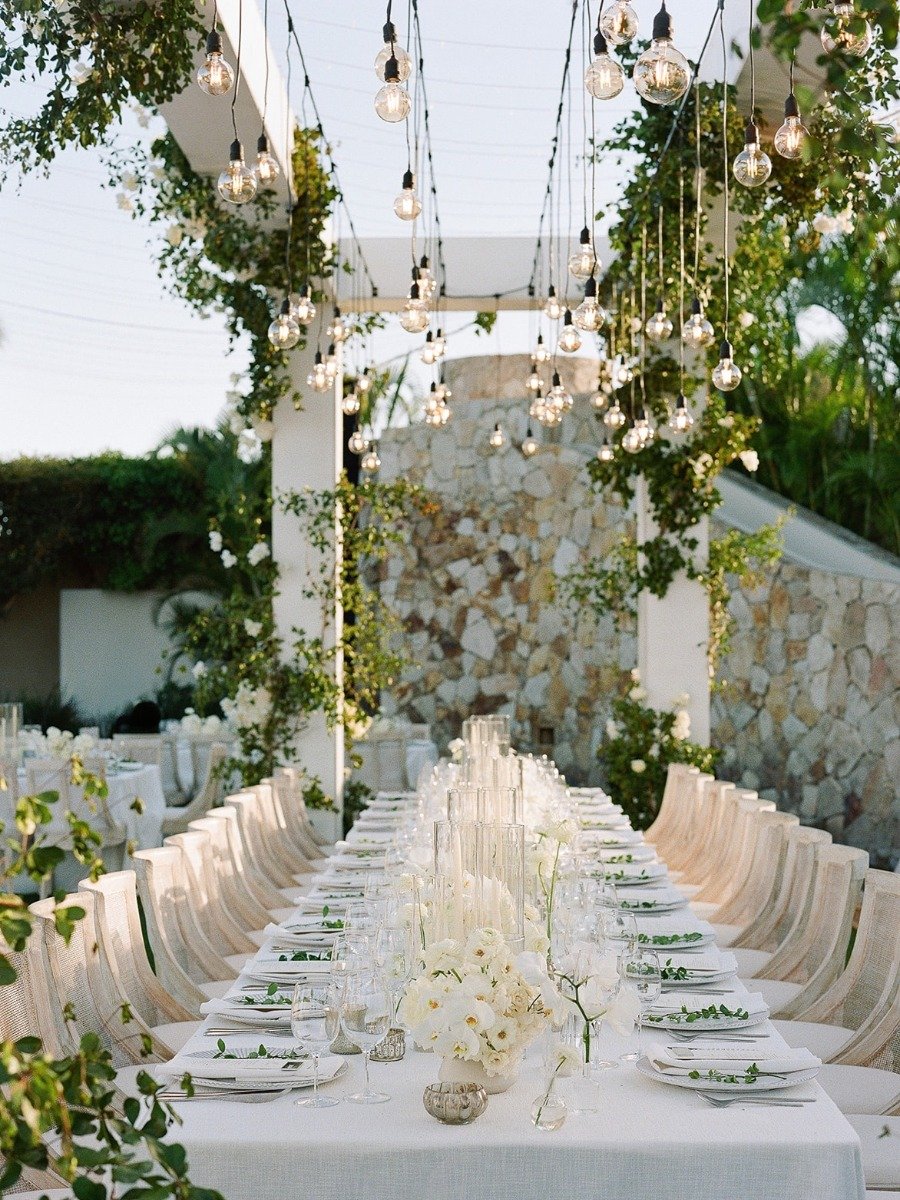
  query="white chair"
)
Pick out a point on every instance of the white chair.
point(177, 819)
point(288, 781)
point(143, 748)
point(214, 897)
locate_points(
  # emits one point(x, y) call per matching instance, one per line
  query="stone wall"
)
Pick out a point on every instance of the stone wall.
point(809, 710)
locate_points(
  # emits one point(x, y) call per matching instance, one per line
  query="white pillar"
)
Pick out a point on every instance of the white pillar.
point(307, 452)
point(673, 632)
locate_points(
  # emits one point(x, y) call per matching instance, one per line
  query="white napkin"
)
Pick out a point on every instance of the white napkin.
point(702, 962)
point(614, 838)
point(253, 1070)
point(247, 1014)
point(753, 1003)
point(645, 900)
point(731, 1060)
point(290, 971)
point(637, 853)
point(644, 871)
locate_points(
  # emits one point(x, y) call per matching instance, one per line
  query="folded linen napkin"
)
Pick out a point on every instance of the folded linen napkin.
point(294, 1072)
point(365, 838)
point(613, 837)
point(641, 871)
point(289, 971)
point(636, 852)
point(648, 899)
point(730, 1060)
point(751, 1003)
point(259, 1013)
point(702, 962)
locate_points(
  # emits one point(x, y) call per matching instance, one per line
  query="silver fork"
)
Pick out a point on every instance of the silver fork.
point(769, 1101)
point(244, 1096)
point(725, 1036)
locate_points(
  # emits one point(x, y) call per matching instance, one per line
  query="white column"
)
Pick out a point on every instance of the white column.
point(307, 452)
point(673, 632)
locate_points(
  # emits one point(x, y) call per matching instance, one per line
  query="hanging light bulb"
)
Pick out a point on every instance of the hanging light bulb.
point(662, 73)
point(614, 418)
point(390, 49)
point(619, 24)
point(318, 376)
point(541, 353)
point(535, 383)
point(370, 461)
point(428, 355)
point(569, 338)
point(697, 332)
point(583, 262)
point(407, 206)
point(497, 440)
point(658, 327)
point(215, 76)
point(414, 317)
point(443, 390)
point(793, 133)
point(604, 78)
point(302, 308)
point(589, 315)
point(392, 101)
point(266, 168)
point(427, 281)
point(538, 408)
point(350, 404)
point(284, 332)
point(338, 330)
point(727, 374)
point(631, 440)
point(529, 446)
point(681, 420)
point(236, 184)
point(445, 412)
point(644, 429)
point(553, 310)
point(440, 344)
point(846, 30)
point(599, 400)
point(363, 382)
point(357, 444)
point(752, 167)
point(331, 364)
point(606, 451)
point(558, 398)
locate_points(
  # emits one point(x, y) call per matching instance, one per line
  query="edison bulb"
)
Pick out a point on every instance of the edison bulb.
point(497, 440)
point(619, 24)
point(589, 315)
point(644, 429)
point(752, 167)
point(284, 332)
point(338, 330)
point(599, 400)
point(215, 76)
point(662, 73)
point(415, 315)
point(428, 355)
point(614, 418)
point(569, 338)
point(681, 420)
point(583, 261)
point(553, 310)
point(392, 49)
point(558, 398)
point(443, 390)
point(529, 446)
point(535, 383)
point(318, 377)
point(392, 101)
point(370, 460)
point(538, 409)
point(350, 404)
point(427, 281)
point(847, 31)
point(697, 332)
point(604, 78)
point(440, 344)
point(606, 452)
point(236, 184)
point(658, 327)
point(266, 169)
point(302, 308)
point(331, 364)
point(541, 354)
point(793, 133)
point(356, 443)
point(727, 374)
point(407, 206)
point(631, 440)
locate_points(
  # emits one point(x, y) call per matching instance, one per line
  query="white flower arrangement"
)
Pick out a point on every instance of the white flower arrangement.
point(472, 1002)
point(250, 706)
point(590, 987)
point(681, 729)
point(455, 749)
point(258, 553)
point(638, 766)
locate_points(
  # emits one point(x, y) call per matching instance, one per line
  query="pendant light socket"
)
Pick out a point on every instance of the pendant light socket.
point(725, 350)
point(214, 42)
point(236, 153)
point(696, 307)
point(791, 107)
point(662, 24)
point(600, 44)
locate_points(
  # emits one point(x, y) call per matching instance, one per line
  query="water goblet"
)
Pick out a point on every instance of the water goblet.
point(641, 970)
point(394, 958)
point(315, 1022)
point(365, 1019)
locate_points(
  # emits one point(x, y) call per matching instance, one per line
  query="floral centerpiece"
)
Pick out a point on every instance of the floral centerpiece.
point(542, 860)
point(474, 1007)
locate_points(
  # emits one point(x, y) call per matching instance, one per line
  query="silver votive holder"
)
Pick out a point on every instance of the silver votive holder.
point(455, 1103)
point(391, 1048)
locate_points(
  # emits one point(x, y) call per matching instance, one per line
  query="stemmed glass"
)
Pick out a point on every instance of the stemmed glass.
point(621, 929)
point(641, 970)
point(393, 957)
point(365, 1020)
point(315, 1021)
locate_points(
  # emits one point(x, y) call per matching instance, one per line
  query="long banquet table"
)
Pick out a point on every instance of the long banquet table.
point(649, 1141)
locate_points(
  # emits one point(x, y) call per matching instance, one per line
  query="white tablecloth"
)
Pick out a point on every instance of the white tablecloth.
point(650, 1141)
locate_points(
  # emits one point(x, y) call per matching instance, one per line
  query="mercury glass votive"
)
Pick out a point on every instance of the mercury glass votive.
point(455, 1103)
point(391, 1048)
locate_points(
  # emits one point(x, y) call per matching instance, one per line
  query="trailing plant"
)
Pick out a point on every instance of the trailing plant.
point(640, 744)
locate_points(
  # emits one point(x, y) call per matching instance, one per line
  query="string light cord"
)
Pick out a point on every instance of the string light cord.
point(681, 275)
point(726, 190)
point(440, 262)
point(237, 69)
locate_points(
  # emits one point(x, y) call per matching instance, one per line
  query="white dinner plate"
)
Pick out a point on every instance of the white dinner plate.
point(698, 981)
point(766, 1084)
point(705, 939)
point(708, 1025)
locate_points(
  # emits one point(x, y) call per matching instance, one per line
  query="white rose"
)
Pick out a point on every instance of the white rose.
point(130, 181)
point(258, 553)
point(198, 670)
point(637, 694)
point(682, 727)
point(236, 423)
point(124, 202)
point(252, 628)
point(844, 220)
point(746, 319)
point(702, 465)
point(823, 223)
point(727, 421)
point(228, 559)
point(249, 449)
point(264, 430)
point(612, 729)
point(638, 766)
point(635, 675)
point(174, 235)
point(749, 459)
point(215, 541)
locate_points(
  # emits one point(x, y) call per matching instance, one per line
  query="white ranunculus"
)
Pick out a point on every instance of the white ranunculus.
point(59, 742)
point(191, 724)
point(750, 460)
point(637, 694)
point(638, 766)
point(746, 319)
point(215, 541)
point(252, 628)
point(212, 725)
point(174, 235)
point(249, 447)
point(635, 675)
point(823, 223)
point(682, 726)
point(83, 743)
point(125, 202)
point(258, 553)
point(198, 670)
point(612, 729)
point(228, 559)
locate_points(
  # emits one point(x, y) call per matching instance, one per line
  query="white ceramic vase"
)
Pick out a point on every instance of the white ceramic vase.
point(457, 1070)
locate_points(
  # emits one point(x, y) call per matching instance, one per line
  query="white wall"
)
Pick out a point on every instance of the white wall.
point(110, 648)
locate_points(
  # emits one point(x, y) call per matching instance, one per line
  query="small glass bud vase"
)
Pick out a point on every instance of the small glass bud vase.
point(549, 1111)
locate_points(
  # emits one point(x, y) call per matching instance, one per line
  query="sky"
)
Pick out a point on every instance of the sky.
point(96, 355)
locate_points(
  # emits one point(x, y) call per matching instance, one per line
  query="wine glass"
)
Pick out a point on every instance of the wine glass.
point(621, 929)
point(365, 1019)
point(393, 957)
point(350, 951)
point(641, 971)
point(315, 1023)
